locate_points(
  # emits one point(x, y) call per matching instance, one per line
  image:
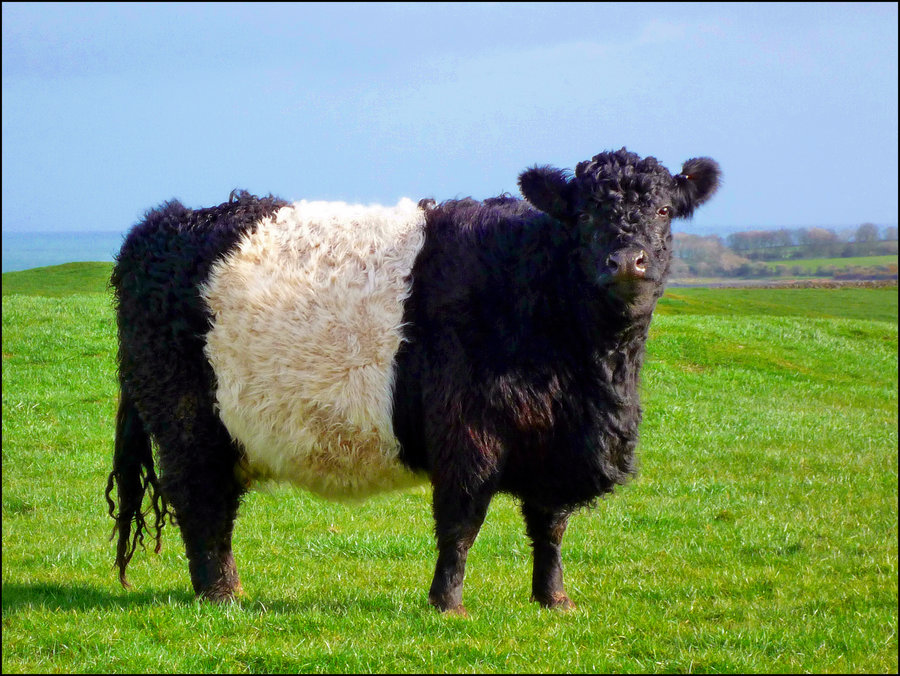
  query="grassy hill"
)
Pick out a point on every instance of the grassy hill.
point(58, 280)
point(813, 264)
point(761, 535)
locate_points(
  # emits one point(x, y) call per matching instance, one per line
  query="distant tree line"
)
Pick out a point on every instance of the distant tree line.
point(752, 253)
point(783, 244)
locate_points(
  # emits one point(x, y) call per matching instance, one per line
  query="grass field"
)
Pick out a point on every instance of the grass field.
point(761, 535)
point(813, 264)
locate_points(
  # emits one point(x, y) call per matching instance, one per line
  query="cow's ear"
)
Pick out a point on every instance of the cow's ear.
point(548, 189)
point(698, 181)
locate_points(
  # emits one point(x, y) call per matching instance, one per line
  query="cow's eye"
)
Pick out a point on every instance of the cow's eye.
point(664, 211)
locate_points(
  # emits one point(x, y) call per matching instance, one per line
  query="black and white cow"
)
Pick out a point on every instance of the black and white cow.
point(487, 346)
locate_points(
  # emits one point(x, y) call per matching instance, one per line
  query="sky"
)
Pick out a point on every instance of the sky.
point(110, 109)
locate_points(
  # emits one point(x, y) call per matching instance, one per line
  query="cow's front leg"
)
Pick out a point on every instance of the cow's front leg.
point(458, 516)
point(546, 529)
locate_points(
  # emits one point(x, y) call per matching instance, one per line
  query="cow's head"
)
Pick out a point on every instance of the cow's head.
point(621, 207)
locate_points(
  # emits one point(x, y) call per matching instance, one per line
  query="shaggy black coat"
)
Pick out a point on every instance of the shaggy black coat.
point(526, 334)
point(503, 346)
point(525, 331)
point(167, 386)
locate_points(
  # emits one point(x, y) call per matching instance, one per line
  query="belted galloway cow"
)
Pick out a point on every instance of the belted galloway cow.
point(483, 346)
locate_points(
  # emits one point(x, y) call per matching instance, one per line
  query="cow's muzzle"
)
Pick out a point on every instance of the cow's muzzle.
point(628, 264)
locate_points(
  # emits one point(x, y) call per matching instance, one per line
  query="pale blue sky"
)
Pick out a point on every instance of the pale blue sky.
point(111, 109)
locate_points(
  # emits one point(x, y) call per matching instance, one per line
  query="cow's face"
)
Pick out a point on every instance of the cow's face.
point(622, 207)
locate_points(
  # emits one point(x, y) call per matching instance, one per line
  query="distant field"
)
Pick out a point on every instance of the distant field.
point(58, 280)
point(847, 303)
point(761, 535)
point(813, 264)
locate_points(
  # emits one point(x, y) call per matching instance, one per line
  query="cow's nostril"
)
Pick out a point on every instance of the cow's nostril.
point(641, 263)
point(627, 264)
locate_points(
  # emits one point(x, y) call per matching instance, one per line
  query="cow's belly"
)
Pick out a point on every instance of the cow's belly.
point(306, 320)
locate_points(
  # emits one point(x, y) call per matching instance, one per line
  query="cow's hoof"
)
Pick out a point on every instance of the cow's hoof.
point(217, 598)
point(222, 594)
point(556, 601)
point(459, 610)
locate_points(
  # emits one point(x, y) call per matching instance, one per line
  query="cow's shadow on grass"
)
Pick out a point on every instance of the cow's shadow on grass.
point(80, 597)
point(57, 597)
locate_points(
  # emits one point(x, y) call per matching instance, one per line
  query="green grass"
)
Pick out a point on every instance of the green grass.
point(878, 304)
point(761, 535)
point(813, 264)
point(58, 280)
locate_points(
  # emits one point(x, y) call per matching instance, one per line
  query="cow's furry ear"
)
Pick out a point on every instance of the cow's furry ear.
point(698, 181)
point(548, 189)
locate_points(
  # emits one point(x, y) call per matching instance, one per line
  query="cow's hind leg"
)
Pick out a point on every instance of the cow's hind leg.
point(198, 461)
point(546, 529)
point(458, 516)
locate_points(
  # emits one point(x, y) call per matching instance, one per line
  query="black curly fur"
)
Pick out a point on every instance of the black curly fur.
point(134, 474)
point(524, 346)
point(167, 386)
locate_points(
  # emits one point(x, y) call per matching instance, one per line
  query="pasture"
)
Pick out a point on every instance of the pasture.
point(811, 265)
point(760, 536)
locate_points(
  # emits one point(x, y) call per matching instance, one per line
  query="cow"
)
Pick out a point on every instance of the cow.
point(484, 346)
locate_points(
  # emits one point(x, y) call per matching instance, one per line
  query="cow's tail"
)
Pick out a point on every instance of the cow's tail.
point(134, 475)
